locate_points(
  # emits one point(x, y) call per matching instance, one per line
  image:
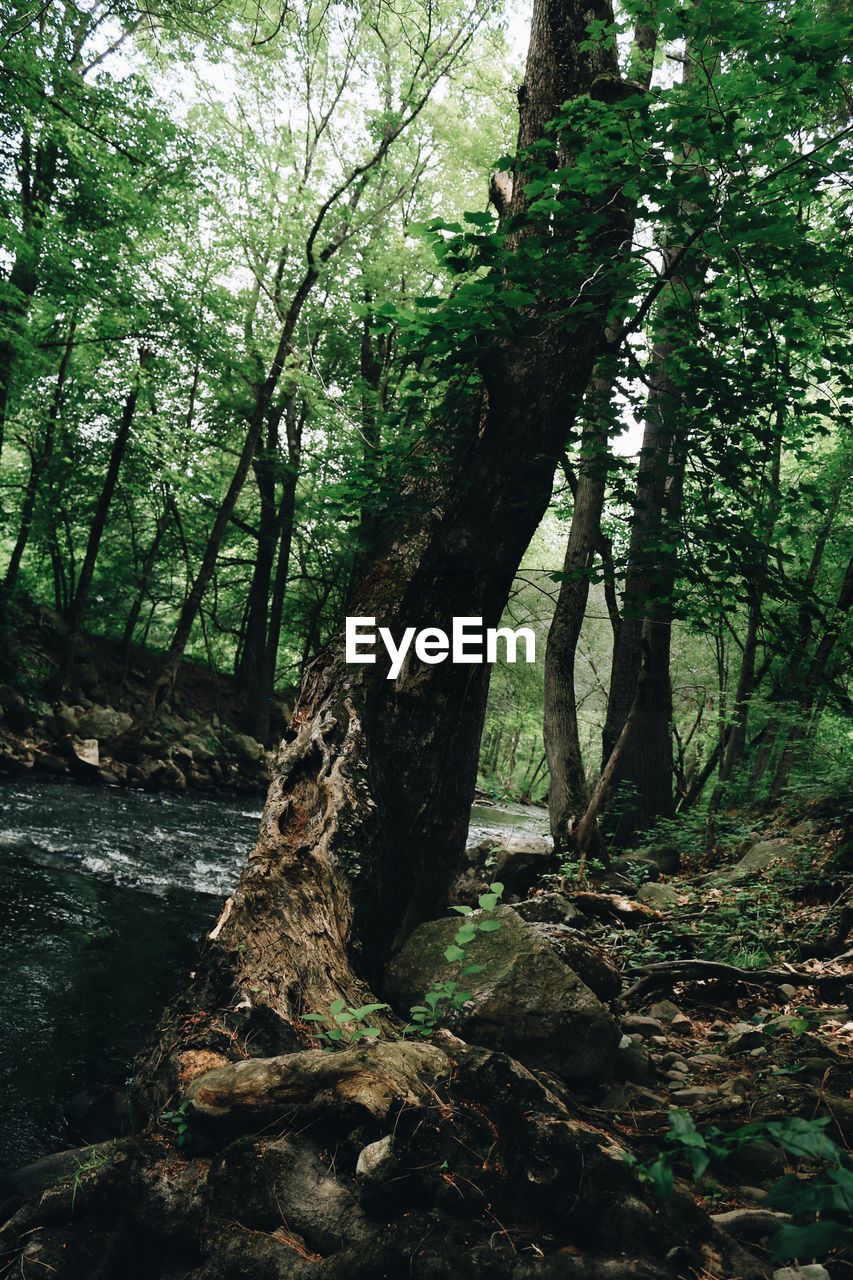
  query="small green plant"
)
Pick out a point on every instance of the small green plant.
point(446, 997)
point(179, 1121)
point(343, 1025)
point(89, 1165)
point(814, 1200)
point(573, 869)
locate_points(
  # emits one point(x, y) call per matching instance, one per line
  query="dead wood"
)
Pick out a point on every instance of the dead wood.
point(671, 972)
point(375, 1078)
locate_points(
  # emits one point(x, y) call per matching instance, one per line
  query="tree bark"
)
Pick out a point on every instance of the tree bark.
point(568, 795)
point(259, 653)
point(80, 601)
point(38, 468)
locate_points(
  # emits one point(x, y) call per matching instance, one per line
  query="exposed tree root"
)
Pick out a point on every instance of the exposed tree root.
point(374, 1078)
point(671, 972)
point(392, 1161)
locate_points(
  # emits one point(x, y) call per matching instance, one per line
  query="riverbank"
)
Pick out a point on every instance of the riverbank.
point(197, 744)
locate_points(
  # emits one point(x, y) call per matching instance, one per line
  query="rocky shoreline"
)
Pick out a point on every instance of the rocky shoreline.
point(74, 740)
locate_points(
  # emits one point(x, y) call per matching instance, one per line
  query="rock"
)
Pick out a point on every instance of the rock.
point(592, 964)
point(633, 1062)
point(646, 1027)
point(248, 749)
point(750, 1224)
point(744, 1038)
point(696, 1093)
point(760, 857)
point(663, 897)
point(199, 749)
point(681, 1025)
point(522, 860)
point(550, 908)
point(666, 856)
point(665, 1011)
point(786, 992)
point(52, 764)
point(527, 1002)
point(86, 751)
point(14, 709)
point(811, 1272)
point(757, 1163)
point(636, 867)
point(288, 1180)
point(104, 723)
point(379, 1175)
point(706, 1060)
point(63, 721)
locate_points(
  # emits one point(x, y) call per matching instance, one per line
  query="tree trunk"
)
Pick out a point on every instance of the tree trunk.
point(38, 468)
point(810, 692)
point(367, 817)
point(643, 778)
point(259, 654)
point(568, 795)
point(77, 610)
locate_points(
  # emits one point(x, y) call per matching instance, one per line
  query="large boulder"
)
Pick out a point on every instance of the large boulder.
point(521, 861)
point(526, 1002)
point(762, 856)
point(103, 723)
point(247, 749)
point(663, 897)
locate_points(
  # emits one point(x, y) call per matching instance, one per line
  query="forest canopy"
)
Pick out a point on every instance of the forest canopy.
point(256, 268)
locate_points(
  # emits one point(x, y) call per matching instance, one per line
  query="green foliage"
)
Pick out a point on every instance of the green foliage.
point(179, 1121)
point(445, 997)
point(822, 1200)
point(344, 1026)
point(94, 1161)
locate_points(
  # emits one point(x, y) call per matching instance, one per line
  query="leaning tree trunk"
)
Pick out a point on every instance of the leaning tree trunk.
point(368, 812)
point(568, 795)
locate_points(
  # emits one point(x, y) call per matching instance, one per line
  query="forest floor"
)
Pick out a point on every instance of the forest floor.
point(738, 1001)
point(196, 744)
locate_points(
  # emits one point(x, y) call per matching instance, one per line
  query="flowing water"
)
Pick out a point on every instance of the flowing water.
point(103, 894)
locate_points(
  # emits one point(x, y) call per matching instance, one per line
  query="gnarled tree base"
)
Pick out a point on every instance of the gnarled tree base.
point(392, 1160)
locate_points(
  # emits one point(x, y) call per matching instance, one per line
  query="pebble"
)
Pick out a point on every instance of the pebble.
point(811, 1272)
point(673, 1060)
point(665, 1011)
point(698, 1093)
point(706, 1060)
point(646, 1027)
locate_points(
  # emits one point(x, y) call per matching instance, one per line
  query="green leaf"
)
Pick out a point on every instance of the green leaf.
point(337, 1006)
point(365, 1009)
point(453, 954)
point(488, 901)
point(463, 911)
point(489, 926)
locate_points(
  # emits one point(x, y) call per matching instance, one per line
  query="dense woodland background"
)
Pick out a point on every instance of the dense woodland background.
point(245, 266)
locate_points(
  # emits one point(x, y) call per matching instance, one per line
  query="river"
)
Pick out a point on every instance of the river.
point(104, 894)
